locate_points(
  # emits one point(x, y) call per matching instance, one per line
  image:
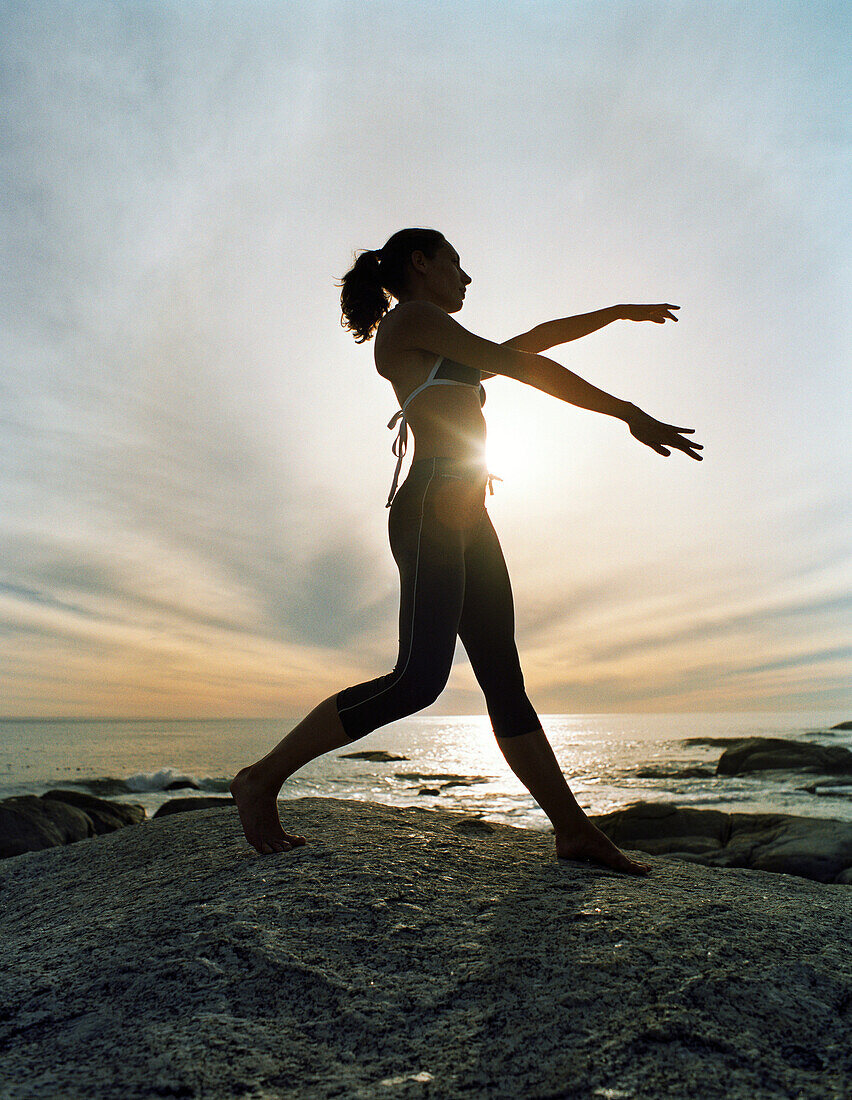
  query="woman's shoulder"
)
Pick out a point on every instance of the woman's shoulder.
point(395, 359)
point(401, 325)
point(407, 316)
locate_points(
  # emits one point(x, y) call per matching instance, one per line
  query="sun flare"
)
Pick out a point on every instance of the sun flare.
point(508, 452)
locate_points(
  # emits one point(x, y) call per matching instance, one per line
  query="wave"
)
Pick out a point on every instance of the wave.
point(164, 779)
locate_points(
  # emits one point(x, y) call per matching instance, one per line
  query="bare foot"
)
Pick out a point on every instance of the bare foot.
point(258, 808)
point(587, 842)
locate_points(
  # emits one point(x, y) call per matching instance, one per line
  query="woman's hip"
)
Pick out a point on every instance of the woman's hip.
point(441, 495)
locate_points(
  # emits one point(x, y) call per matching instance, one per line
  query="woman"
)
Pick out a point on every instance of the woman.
point(452, 574)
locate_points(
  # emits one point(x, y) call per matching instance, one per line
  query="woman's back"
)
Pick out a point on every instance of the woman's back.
point(446, 421)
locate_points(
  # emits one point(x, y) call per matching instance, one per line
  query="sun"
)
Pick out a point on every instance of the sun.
point(508, 452)
point(528, 445)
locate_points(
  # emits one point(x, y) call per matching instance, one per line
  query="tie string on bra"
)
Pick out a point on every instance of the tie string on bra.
point(400, 444)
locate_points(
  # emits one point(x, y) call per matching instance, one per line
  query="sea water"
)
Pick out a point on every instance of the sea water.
point(610, 761)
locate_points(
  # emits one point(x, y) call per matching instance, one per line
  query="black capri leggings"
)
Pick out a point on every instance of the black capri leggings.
point(453, 581)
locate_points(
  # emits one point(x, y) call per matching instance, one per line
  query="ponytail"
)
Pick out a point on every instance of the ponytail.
point(375, 277)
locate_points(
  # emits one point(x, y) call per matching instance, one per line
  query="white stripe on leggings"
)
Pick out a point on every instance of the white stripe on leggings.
point(413, 602)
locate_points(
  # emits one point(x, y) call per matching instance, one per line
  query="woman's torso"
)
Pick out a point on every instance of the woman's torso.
point(446, 421)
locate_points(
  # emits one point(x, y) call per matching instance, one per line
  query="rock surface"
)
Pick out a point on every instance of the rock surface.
point(380, 756)
point(105, 816)
point(184, 805)
point(813, 847)
point(28, 824)
point(767, 753)
point(411, 953)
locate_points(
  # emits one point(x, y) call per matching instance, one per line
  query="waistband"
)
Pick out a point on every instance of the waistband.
point(466, 469)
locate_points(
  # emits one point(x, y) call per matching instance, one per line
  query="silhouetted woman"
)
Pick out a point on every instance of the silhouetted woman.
point(452, 574)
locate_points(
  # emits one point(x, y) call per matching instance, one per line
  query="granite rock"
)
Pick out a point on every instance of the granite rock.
point(105, 816)
point(400, 953)
point(813, 847)
point(378, 756)
point(768, 753)
point(29, 824)
point(184, 805)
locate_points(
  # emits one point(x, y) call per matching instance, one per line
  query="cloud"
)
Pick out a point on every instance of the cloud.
point(192, 457)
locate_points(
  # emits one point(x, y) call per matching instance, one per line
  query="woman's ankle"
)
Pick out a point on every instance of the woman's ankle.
point(264, 777)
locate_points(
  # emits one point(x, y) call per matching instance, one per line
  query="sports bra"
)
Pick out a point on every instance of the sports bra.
point(446, 372)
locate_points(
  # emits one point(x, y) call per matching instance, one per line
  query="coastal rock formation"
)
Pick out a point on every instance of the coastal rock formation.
point(813, 847)
point(843, 726)
point(185, 805)
point(661, 771)
point(379, 756)
point(28, 824)
point(765, 753)
point(105, 816)
point(410, 953)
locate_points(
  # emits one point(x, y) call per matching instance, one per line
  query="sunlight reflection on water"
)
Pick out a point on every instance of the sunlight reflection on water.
point(450, 762)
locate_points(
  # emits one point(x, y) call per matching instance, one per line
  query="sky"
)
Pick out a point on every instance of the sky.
point(194, 457)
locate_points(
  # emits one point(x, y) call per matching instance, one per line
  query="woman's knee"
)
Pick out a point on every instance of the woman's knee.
point(366, 707)
point(420, 689)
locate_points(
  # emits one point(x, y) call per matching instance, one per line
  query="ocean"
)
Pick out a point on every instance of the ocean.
point(610, 760)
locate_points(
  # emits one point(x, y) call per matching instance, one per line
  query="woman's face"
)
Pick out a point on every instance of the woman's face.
point(446, 279)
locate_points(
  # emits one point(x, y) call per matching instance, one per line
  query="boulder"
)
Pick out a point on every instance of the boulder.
point(28, 824)
point(378, 755)
point(726, 741)
point(816, 848)
point(767, 753)
point(835, 788)
point(105, 816)
point(183, 805)
point(660, 828)
point(663, 772)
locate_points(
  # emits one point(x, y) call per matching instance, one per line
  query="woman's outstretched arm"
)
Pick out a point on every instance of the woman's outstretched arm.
point(562, 331)
point(421, 324)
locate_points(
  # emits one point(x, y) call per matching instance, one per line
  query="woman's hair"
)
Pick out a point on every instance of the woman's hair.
point(363, 297)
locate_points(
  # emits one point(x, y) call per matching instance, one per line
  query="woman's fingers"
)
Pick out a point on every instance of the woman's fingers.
point(663, 438)
point(663, 312)
point(659, 313)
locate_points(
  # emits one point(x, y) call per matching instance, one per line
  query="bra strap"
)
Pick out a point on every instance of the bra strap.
point(400, 444)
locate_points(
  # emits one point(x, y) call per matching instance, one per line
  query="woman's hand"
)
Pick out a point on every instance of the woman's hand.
point(659, 314)
point(662, 438)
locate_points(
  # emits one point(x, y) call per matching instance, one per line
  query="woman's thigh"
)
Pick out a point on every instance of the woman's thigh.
point(487, 623)
point(430, 557)
point(487, 631)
